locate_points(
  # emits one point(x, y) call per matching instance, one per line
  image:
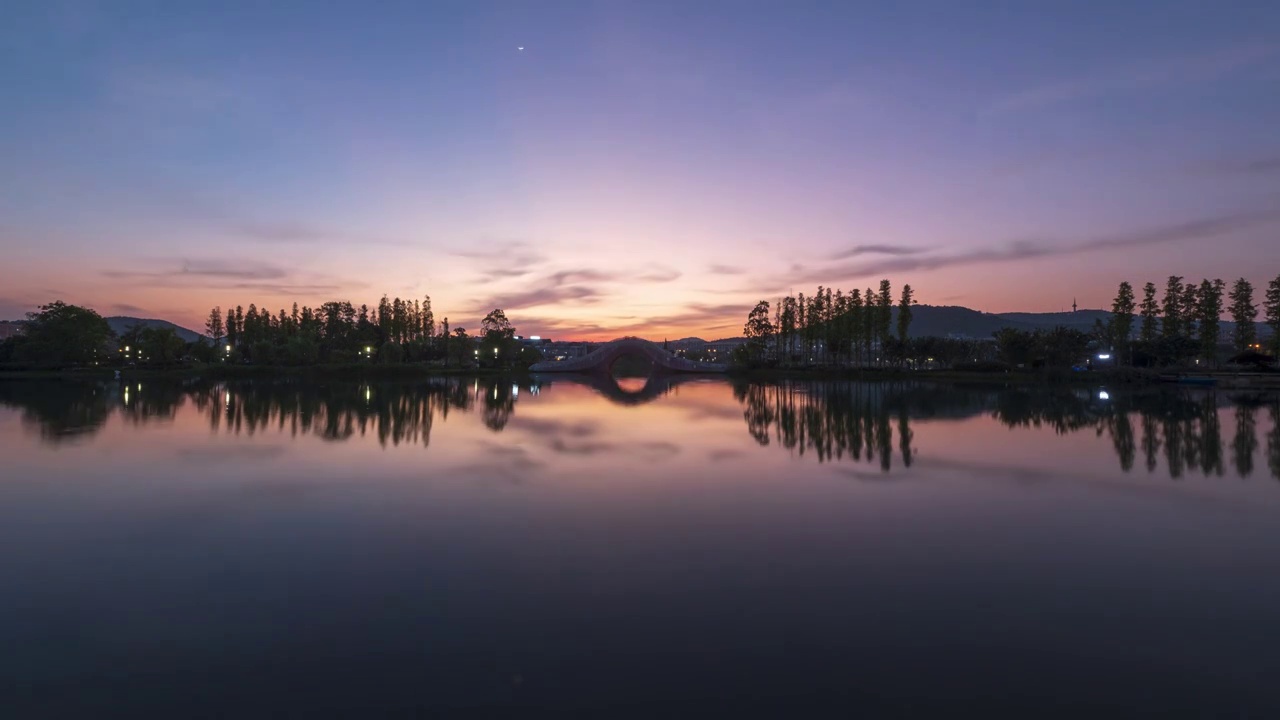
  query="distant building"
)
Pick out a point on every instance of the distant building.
point(9, 328)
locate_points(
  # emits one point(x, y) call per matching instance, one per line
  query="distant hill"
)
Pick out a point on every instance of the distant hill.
point(942, 320)
point(121, 324)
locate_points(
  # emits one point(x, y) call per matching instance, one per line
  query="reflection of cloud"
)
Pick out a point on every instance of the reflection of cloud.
point(1019, 475)
point(722, 455)
point(503, 462)
point(209, 454)
point(552, 427)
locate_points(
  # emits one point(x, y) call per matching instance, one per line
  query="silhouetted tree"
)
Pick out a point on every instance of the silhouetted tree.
point(904, 312)
point(1272, 316)
point(1122, 319)
point(214, 328)
point(1243, 314)
point(1150, 313)
point(1208, 313)
point(1173, 325)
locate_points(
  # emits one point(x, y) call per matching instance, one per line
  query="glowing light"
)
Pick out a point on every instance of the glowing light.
point(368, 350)
point(228, 349)
point(1104, 395)
point(535, 337)
point(1104, 356)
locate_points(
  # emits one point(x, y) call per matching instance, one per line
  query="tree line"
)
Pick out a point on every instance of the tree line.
point(393, 331)
point(1185, 323)
point(828, 327)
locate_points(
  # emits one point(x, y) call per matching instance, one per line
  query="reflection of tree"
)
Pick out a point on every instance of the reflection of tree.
point(394, 412)
point(1273, 440)
point(1150, 440)
point(1246, 440)
point(59, 411)
point(499, 403)
point(837, 420)
point(142, 403)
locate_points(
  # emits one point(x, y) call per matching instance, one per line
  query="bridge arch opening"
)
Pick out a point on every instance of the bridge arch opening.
point(631, 371)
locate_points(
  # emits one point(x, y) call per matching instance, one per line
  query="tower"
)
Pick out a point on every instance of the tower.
point(1073, 304)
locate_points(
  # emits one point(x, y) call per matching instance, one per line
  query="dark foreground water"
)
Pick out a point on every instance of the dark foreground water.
point(793, 550)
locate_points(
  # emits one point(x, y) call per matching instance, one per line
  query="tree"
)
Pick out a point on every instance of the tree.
point(1209, 312)
point(1272, 317)
point(1243, 314)
point(1173, 325)
point(884, 313)
point(1150, 311)
point(904, 312)
point(758, 328)
point(213, 327)
point(1190, 309)
point(497, 337)
point(1014, 346)
point(62, 334)
point(1122, 318)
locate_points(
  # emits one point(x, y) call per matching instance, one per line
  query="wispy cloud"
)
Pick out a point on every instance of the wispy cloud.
point(1183, 70)
point(128, 309)
point(658, 274)
point(196, 269)
point(1198, 229)
point(860, 250)
point(1264, 165)
point(717, 269)
point(246, 276)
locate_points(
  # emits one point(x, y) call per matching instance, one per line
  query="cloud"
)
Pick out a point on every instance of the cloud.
point(498, 260)
point(197, 269)
point(544, 295)
point(245, 276)
point(658, 273)
point(1183, 70)
point(1266, 165)
point(859, 250)
point(128, 309)
point(575, 276)
point(717, 269)
point(1199, 229)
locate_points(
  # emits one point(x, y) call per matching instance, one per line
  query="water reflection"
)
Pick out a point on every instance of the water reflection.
point(856, 421)
point(836, 421)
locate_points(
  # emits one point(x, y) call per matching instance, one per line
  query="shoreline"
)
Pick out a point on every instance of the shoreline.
point(1113, 376)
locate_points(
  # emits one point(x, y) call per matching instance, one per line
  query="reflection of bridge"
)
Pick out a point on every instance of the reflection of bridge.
point(654, 387)
point(602, 358)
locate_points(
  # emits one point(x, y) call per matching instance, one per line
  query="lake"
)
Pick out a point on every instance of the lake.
point(644, 548)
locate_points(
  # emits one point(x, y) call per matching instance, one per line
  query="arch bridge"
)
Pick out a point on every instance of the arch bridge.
point(601, 360)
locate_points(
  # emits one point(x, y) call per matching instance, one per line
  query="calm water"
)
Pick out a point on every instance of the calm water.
point(232, 550)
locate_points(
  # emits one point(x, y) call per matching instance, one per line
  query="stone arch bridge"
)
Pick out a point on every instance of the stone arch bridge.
point(601, 360)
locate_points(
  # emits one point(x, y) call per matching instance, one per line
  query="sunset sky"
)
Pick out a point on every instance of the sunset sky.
point(645, 168)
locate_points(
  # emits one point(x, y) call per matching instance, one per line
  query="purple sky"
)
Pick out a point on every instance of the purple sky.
point(647, 168)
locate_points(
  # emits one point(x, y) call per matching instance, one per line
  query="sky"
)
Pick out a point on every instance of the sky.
point(638, 168)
